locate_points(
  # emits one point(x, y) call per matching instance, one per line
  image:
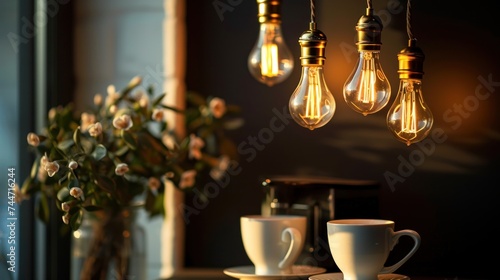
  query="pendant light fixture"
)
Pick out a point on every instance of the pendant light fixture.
point(409, 118)
point(270, 61)
point(312, 105)
point(367, 90)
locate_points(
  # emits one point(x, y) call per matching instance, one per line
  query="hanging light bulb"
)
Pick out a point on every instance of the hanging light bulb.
point(367, 89)
point(312, 104)
point(409, 118)
point(270, 60)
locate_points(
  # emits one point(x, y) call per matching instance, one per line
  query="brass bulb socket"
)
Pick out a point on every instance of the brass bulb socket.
point(369, 28)
point(411, 62)
point(269, 11)
point(312, 46)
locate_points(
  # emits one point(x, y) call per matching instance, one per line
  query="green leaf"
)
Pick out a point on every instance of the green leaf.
point(73, 183)
point(130, 86)
point(129, 139)
point(77, 137)
point(53, 131)
point(74, 210)
point(150, 90)
point(157, 101)
point(34, 168)
point(29, 186)
point(75, 221)
point(153, 143)
point(63, 194)
point(60, 152)
point(177, 110)
point(106, 184)
point(99, 152)
point(64, 145)
point(86, 145)
point(195, 98)
point(64, 178)
point(122, 151)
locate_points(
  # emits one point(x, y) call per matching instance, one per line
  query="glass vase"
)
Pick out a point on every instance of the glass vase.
point(109, 245)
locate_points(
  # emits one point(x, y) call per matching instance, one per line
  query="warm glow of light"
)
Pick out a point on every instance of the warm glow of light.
point(270, 60)
point(408, 111)
point(367, 87)
point(313, 103)
point(409, 118)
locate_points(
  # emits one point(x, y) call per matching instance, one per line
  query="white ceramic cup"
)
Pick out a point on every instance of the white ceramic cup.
point(360, 247)
point(273, 243)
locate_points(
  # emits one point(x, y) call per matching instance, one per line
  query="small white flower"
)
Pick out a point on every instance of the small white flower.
point(188, 178)
point(123, 122)
point(98, 99)
point(73, 165)
point(111, 89)
point(216, 174)
point(217, 107)
point(65, 206)
point(168, 140)
point(113, 109)
point(65, 218)
point(86, 121)
point(135, 81)
point(195, 146)
point(33, 139)
point(112, 96)
point(144, 102)
point(44, 160)
point(121, 169)
point(52, 114)
point(51, 168)
point(142, 98)
point(222, 164)
point(77, 193)
point(95, 129)
point(158, 114)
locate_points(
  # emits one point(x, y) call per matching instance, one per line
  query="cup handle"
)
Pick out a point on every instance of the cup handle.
point(295, 238)
point(394, 240)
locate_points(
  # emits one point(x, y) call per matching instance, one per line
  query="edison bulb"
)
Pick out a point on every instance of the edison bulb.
point(312, 105)
point(367, 89)
point(409, 118)
point(270, 61)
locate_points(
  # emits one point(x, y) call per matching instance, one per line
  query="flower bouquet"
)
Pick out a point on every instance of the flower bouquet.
point(120, 154)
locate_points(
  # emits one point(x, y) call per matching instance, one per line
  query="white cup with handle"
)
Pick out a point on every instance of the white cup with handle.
point(273, 243)
point(360, 247)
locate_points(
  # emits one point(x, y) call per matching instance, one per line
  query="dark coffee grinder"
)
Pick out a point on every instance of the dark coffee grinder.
point(320, 199)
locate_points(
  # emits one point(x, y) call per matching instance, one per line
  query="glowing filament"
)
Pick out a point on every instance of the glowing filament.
point(367, 89)
point(270, 60)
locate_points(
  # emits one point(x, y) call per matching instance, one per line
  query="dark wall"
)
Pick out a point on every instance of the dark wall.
point(446, 187)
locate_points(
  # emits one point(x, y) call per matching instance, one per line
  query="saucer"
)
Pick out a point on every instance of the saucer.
point(339, 276)
point(248, 272)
